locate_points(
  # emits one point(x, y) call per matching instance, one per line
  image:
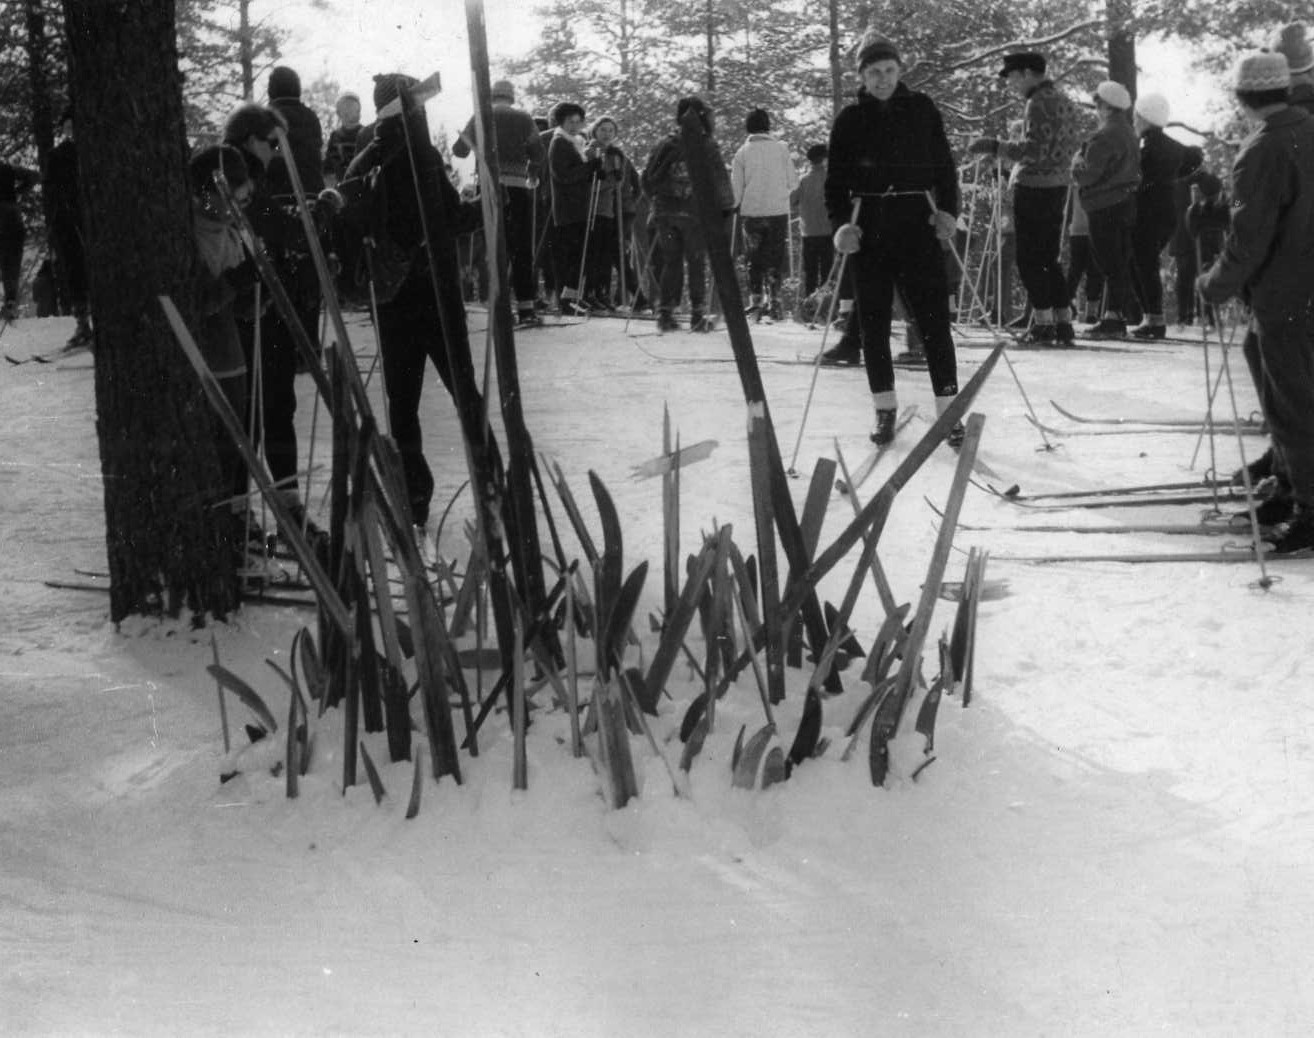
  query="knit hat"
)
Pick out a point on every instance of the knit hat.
point(875, 47)
point(503, 91)
point(389, 85)
point(1261, 70)
point(593, 130)
point(1290, 42)
point(1114, 95)
point(1026, 61)
point(1153, 108)
point(348, 95)
point(284, 82)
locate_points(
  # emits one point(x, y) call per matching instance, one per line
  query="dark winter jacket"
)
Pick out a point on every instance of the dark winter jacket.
point(1207, 222)
point(572, 180)
point(60, 187)
point(1302, 96)
point(340, 150)
point(897, 146)
point(444, 214)
point(616, 176)
point(307, 139)
point(1107, 169)
point(1164, 162)
point(1052, 131)
point(14, 181)
point(1268, 256)
point(667, 182)
point(520, 154)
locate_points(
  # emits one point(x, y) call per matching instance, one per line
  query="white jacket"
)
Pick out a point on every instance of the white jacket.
point(762, 175)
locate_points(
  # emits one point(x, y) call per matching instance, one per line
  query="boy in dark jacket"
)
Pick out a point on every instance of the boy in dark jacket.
point(679, 234)
point(892, 194)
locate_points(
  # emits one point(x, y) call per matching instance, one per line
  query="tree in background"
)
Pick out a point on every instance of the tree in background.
point(168, 548)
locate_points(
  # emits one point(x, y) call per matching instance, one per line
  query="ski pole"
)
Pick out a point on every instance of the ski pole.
point(643, 279)
point(816, 363)
point(1035, 420)
point(584, 252)
point(1265, 581)
point(621, 257)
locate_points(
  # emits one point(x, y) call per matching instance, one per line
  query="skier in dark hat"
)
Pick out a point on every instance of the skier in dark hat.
point(889, 156)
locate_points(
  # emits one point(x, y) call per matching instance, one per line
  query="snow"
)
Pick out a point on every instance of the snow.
point(1115, 836)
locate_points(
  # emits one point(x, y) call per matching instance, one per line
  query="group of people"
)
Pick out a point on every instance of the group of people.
point(883, 193)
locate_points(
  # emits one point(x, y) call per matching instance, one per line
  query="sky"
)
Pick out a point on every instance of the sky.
point(354, 39)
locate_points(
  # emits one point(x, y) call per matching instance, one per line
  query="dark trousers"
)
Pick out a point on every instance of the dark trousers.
point(1110, 243)
point(680, 241)
point(567, 252)
point(410, 335)
point(1279, 349)
point(764, 245)
point(1150, 236)
point(903, 254)
point(70, 265)
point(12, 235)
point(818, 256)
point(1038, 214)
point(603, 253)
point(518, 216)
point(1083, 266)
point(277, 395)
point(1184, 275)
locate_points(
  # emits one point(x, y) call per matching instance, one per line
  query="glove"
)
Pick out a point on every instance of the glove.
point(945, 224)
point(848, 239)
point(984, 146)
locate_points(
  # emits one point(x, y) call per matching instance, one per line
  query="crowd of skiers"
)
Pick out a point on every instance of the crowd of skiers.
point(880, 202)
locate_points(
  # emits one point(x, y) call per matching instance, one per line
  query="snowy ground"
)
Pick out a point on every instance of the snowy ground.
point(1116, 837)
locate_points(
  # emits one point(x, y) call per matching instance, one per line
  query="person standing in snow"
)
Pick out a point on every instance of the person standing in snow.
point(618, 192)
point(1041, 157)
point(890, 158)
point(762, 175)
point(520, 160)
point(341, 146)
point(574, 173)
point(225, 275)
point(304, 134)
point(409, 324)
point(1106, 171)
point(1164, 163)
point(14, 181)
point(679, 232)
point(251, 129)
point(1268, 263)
point(60, 185)
point(810, 197)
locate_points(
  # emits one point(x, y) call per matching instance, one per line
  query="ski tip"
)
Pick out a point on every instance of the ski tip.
point(1013, 491)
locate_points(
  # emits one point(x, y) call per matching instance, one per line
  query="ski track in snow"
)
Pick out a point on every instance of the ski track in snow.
point(1114, 838)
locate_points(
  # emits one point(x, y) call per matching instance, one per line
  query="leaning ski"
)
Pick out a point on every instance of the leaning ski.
point(869, 463)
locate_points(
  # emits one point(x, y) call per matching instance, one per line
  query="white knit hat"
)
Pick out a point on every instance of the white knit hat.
point(1153, 108)
point(1261, 70)
point(1291, 43)
point(1114, 95)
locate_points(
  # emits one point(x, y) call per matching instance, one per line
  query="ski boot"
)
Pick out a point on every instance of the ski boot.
point(886, 420)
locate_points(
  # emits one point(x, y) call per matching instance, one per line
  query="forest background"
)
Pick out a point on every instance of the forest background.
point(631, 59)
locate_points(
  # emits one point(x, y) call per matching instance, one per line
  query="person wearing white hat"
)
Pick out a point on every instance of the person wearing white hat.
point(1106, 171)
point(1164, 161)
point(1268, 263)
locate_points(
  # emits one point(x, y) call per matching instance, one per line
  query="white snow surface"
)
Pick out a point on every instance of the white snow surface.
point(1115, 838)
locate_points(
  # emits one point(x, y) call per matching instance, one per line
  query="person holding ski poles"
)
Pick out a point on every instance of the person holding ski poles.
point(892, 195)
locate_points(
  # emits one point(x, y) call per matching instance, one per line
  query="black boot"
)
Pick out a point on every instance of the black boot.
point(844, 353)
point(886, 420)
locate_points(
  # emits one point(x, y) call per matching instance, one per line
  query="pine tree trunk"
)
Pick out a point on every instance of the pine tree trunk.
point(1122, 43)
point(168, 546)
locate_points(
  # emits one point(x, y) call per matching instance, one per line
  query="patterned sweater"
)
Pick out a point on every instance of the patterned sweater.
point(1052, 131)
